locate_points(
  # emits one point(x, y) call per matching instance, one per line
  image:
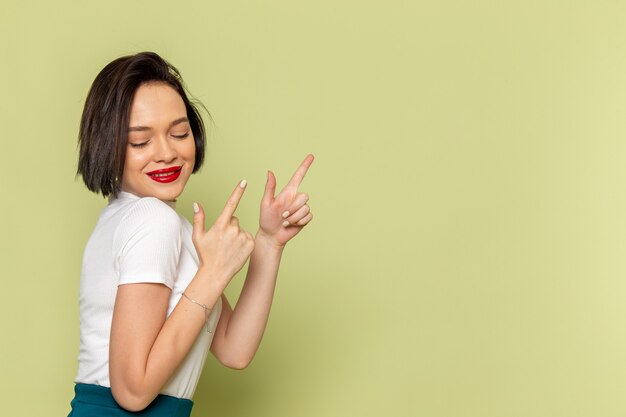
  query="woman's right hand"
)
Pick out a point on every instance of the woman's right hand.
point(225, 247)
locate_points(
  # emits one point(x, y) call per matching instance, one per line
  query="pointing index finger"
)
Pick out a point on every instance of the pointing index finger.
point(233, 202)
point(298, 176)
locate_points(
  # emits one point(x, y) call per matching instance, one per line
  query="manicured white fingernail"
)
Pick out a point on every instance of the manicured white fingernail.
point(285, 214)
point(285, 223)
point(243, 183)
point(195, 208)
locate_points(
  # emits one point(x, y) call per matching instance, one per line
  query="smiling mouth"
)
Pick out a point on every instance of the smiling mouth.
point(165, 175)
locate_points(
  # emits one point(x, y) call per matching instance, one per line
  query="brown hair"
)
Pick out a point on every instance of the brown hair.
point(103, 133)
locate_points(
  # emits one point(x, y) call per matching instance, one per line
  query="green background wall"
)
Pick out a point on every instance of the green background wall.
point(467, 252)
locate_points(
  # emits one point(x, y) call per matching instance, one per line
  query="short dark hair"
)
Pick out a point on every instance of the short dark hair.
point(103, 133)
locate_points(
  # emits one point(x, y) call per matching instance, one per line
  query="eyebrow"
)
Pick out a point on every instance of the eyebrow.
point(144, 128)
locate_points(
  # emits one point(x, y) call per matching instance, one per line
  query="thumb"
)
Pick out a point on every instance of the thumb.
point(198, 221)
point(270, 188)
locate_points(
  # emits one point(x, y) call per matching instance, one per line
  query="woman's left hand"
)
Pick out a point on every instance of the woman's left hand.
point(273, 223)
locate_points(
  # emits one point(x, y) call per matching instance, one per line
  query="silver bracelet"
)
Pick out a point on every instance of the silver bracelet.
point(207, 311)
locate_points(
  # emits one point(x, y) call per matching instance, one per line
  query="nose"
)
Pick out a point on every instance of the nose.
point(164, 152)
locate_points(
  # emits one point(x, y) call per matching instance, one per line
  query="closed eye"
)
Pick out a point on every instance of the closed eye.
point(181, 136)
point(138, 145)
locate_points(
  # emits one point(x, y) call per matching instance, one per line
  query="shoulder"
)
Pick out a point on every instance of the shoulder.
point(152, 208)
point(149, 214)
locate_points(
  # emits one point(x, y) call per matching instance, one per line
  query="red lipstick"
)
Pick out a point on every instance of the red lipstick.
point(166, 174)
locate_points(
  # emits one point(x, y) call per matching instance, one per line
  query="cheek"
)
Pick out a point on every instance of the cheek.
point(190, 150)
point(135, 161)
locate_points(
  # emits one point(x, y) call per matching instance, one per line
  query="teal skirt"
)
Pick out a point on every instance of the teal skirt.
point(96, 401)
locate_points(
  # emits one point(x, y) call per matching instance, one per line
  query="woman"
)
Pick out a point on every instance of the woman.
point(151, 290)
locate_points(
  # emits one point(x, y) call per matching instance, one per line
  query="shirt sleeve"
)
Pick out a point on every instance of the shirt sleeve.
point(147, 243)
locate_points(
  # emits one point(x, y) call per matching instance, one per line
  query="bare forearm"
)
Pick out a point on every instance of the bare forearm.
point(136, 383)
point(249, 317)
point(182, 327)
point(282, 217)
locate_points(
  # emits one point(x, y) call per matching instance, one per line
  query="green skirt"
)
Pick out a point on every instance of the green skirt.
point(96, 401)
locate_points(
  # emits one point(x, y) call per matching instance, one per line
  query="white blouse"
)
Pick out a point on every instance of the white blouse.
point(137, 239)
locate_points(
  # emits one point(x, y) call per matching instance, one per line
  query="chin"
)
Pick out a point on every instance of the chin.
point(161, 191)
point(170, 191)
point(169, 195)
